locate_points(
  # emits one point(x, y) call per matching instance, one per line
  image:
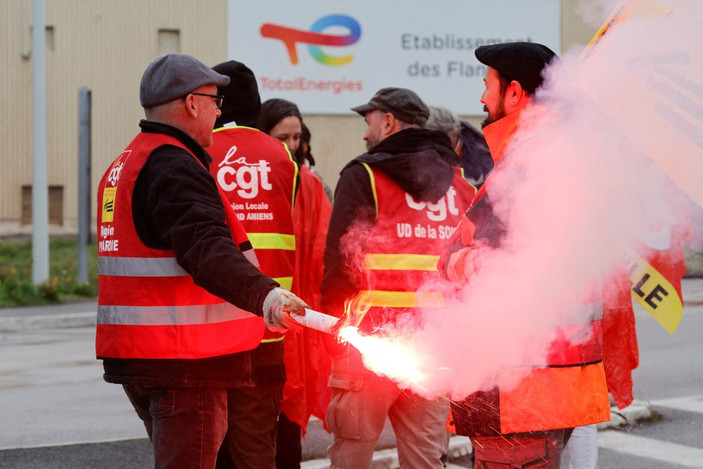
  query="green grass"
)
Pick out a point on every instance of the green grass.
point(17, 289)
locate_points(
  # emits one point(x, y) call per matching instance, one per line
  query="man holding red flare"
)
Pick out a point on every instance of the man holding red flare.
point(528, 425)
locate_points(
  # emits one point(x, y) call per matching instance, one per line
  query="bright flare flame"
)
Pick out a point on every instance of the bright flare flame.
point(393, 358)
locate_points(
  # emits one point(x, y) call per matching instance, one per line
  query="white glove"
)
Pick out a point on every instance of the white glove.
point(278, 305)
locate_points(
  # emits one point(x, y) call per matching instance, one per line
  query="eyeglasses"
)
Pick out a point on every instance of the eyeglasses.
point(217, 97)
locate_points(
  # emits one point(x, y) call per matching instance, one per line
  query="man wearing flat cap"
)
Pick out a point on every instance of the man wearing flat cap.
point(529, 424)
point(181, 300)
point(391, 205)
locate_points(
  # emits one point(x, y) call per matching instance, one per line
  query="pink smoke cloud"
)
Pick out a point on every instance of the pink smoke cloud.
point(578, 196)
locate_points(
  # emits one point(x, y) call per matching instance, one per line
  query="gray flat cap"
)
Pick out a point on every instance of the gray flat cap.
point(173, 76)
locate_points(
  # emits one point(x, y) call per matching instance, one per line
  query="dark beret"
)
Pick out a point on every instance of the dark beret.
point(519, 61)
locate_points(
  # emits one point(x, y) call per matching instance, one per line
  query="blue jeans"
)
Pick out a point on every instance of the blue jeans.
point(253, 412)
point(185, 425)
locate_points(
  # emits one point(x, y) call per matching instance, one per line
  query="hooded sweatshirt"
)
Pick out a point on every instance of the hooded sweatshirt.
point(420, 161)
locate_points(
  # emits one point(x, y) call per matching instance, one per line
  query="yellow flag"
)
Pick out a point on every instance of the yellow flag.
point(655, 293)
point(654, 68)
point(663, 77)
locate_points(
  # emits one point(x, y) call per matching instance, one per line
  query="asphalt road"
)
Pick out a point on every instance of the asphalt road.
point(670, 379)
point(56, 411)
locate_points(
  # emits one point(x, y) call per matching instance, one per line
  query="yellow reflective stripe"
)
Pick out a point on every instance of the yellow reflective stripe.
point(401, 262)
point(286, 282)
point(274, 339)
point(295, 182)
point(219, 129)
point(400, 299)
point(272, 241)
point(373, 185)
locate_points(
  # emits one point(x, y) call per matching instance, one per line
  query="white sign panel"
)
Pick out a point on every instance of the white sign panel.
point(328, 55)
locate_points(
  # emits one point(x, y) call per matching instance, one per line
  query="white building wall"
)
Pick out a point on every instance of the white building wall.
point(106, 45)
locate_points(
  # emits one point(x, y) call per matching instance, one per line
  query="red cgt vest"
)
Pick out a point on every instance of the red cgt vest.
point(148, 306)
point(402, 251)
point(257, 175)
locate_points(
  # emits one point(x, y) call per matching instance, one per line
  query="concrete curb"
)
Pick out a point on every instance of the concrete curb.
point(635, 412)
point(13, 320)
point(388, 458)
point(48, 321)
point(64, 315)
point(461, 445)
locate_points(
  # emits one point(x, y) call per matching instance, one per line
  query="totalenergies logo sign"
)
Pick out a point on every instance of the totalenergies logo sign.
point(315, 37)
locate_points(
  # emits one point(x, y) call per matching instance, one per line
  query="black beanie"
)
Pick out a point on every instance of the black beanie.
point(242, 103)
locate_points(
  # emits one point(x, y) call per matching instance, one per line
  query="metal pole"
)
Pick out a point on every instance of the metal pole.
point(231, 27)
point(84, 160)
point(40, 185)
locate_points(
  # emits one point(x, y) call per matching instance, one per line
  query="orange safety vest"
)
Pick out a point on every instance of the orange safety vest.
point(148, 306)
point(402, 250)
point(570, 389)
point(258, 176)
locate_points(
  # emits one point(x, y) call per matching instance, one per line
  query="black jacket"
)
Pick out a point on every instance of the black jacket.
point(176, 205)
point(476, 160)
point(420, 161)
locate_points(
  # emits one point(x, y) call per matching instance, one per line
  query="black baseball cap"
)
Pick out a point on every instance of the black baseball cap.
point(403, 103)
point(519, 61)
